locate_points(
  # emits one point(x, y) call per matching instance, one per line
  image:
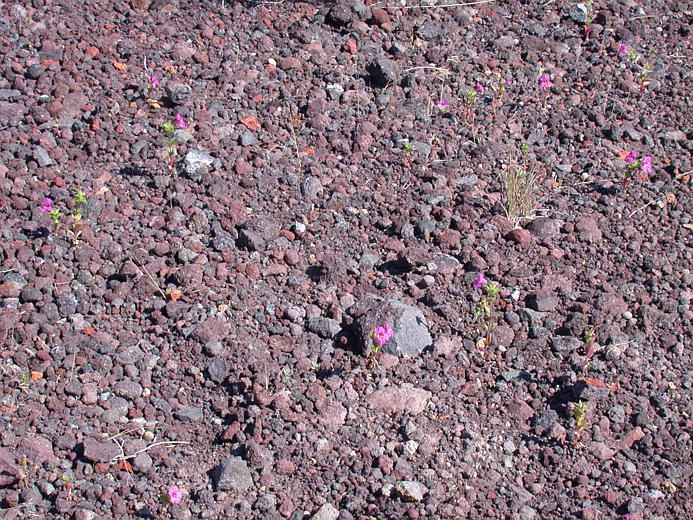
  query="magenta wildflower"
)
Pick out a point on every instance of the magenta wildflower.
point(647, 164)
point(155, 81)
point(622, 50)
point(480, 281)
point(383, 333)
point(46, 205)
point(174, 495)
point(442, 104)
point(630, 158)
point(508, 82)
point(545, 82)
point(479, 88)
point(179, 121)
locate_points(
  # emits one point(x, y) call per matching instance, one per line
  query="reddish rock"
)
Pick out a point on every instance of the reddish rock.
point(380, 16)
point(400, 398)
point(520, 410)
point(350, 46)
point(520, 236)
point(285, 467)
point(91, 52)
point(289, 63)
point(211, 329)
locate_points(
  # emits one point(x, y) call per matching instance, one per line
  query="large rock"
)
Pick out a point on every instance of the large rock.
point(411, 335)
point(233, 475)
point(383, 71)
point(196, 164)
point(404, 398)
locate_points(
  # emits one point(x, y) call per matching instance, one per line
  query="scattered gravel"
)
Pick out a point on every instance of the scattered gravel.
point(208, 321)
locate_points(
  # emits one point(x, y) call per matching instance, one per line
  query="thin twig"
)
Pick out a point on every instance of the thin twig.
point(143, 268)
point(643, 207)
point(147, 448)
point(420, 6)
point(72, 369)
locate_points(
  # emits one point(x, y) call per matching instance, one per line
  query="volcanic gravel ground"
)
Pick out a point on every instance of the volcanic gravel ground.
point(333, 168)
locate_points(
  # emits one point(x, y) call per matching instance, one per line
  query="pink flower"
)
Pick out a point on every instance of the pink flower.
point(174, 495)
point(508, 82)
point(545, 82)
point(46, 205)
point(479, 88)
point(647, 164)
point(630, 158)
point(383, 334)
point(179, 121)
point(622, 50)
point(480, 281)
point(155, 81)
point(442, 104)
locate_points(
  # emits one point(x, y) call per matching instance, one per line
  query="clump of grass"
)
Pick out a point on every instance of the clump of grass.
point(519, 191)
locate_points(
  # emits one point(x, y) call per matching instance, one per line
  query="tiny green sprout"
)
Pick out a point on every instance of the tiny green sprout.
point(287, 372)
point(67, 482)
point(80, 200)
point(314, 366)
point(55, 215)
point(470, 97)
point(484, 309)
point(590, 336)
point(408, 147)
point(524, 147)
point(580, 416)
point(168, 129)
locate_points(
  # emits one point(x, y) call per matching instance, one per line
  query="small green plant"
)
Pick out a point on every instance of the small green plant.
point(168, 129)
point(408, 148)
point(67, 482)
point(79, 203)
point(485, 311)
point(644, 70)
point(580, 416)
point(590, 336)
point(23, 462)
point(519, 187)
point(644, 76)
point(379, 337)
point(287, 372)
point(314, 366)
point(589, 18)
point(633, 163)
point(469, 100)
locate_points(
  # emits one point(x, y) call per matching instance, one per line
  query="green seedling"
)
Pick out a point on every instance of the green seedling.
point(485, 311)
point(67, 482)
point(314, 366)
point(55, 215)
point(79, 203)
point(580, 416)
point(24, 464)
point(590, 336)
point(469, 100)
point(168, 129)
point(408, 148)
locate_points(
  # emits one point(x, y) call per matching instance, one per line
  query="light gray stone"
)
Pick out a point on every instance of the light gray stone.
point(233, 475)
point(326, 512)
point(410, 490)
